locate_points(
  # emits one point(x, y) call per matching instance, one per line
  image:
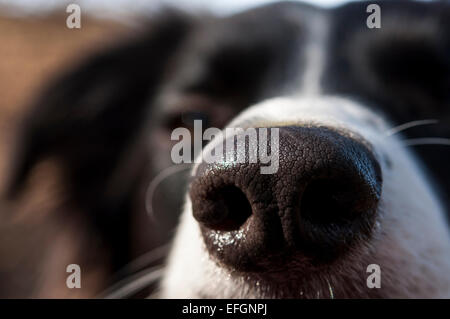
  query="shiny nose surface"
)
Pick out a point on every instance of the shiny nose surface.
point(320, 202)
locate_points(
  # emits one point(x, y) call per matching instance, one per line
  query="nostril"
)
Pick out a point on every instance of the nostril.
point(328, 201)
point(226, 209)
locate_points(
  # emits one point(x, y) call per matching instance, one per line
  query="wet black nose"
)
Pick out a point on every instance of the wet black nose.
point(320, 202)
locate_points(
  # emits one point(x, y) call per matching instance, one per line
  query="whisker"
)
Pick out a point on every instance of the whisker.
point(143, 261)
point(148, 276)
point(156, 181)
point(427, 141)
point(330, 290)
point(133, 284)
point(408, 125)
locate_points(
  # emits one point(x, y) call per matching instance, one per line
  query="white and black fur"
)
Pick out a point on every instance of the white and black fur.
point(108, 123)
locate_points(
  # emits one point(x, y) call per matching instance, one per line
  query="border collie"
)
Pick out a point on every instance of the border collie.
point(361, 183)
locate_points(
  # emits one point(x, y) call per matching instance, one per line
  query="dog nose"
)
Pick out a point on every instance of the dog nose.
point(319, 204)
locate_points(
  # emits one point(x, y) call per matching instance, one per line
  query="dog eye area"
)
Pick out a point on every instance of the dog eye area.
point(187, 108)
point(187, 120)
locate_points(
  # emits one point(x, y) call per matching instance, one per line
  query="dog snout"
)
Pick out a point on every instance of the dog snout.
point(320, 202)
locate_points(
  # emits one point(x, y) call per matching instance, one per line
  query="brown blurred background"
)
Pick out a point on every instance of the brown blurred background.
point(33, 50)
